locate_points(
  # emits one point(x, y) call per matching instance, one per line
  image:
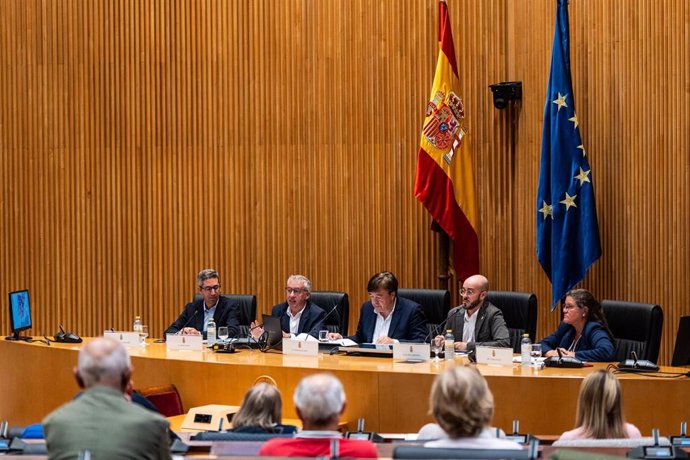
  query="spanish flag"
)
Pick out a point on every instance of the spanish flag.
point(444, 182)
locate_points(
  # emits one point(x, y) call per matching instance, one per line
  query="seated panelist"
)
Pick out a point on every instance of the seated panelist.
point(387, 318)
point(584, 332)
point(297, 314)
point(195, 316)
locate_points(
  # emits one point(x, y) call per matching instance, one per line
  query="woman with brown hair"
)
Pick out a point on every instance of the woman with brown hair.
point(600, 410)
point(261, 412)
point(584, 332)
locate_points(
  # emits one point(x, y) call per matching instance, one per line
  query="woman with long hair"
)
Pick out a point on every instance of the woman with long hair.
point(600, 410)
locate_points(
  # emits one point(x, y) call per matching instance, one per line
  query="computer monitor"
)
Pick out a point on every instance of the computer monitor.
point(20, 314)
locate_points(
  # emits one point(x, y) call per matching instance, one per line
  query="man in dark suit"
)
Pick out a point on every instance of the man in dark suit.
point(387, 318)
point(195, 316)
point(298, 315)
point(477, 321)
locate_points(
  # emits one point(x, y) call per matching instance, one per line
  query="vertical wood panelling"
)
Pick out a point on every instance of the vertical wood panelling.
point(141, 141)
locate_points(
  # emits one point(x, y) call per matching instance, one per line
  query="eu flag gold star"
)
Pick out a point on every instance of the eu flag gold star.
point(560, 101)
point(569, 201)
point(546, 210)
point(582, 147)
point(583, 176)
point(574, 120)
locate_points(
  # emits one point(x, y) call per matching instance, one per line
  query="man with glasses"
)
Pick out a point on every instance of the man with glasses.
point(298, 315)
point(387, 318)
point(477, 321)
point(211, 304)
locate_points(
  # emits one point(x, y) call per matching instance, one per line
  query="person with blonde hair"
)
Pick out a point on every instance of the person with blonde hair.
point(463, 406)
point(600, 410)
point(261, 412)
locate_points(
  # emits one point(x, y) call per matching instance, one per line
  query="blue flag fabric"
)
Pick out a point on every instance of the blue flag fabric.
point(567, 228)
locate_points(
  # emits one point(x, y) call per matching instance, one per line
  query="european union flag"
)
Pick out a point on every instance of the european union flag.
point(567, 228)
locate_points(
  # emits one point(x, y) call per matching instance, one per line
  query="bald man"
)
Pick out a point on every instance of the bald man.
point(476, 321)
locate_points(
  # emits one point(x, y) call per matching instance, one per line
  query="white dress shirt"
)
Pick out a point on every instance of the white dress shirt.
point(383, 325)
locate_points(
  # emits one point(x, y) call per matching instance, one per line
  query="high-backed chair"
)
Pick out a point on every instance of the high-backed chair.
point(247, 303)
point(635, 327)
point(336, 321)
point(681, 351)
point(165, 398)
point(434, 302)
point(520, 312)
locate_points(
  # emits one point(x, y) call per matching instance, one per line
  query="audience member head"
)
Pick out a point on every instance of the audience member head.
point(320, 401)
point(461, 402)
point(587, 308)
point(599, 406)
point(104, 361)
point(261, 407)
point(473, 292)
point(209, 286)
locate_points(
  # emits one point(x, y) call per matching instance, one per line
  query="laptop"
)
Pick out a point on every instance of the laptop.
point(681, 352)
point(273, 332)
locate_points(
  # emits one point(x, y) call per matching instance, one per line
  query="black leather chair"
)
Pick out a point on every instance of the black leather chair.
point(681, 351)
point(337, 321)
point(520, 312)
point(635, 327)
point(247, 303)
point(434, 302)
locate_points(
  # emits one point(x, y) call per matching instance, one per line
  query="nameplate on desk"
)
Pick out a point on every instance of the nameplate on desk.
point(495, 355)
point(411, 352)
point(184, 342)
point(128, 339)
point(300, 347)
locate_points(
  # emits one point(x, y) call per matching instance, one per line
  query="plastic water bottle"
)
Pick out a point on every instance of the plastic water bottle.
point(526, 350)
point(450, 344)
point(137, 324)
point(211, 332)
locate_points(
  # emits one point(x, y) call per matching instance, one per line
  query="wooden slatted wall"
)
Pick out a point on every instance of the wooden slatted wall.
point(143, 140)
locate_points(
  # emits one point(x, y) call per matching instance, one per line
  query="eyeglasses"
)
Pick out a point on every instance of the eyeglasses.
point(295, 291)
point(211, 288)
point(374, 296)
point(567, 306)
point(470, 292)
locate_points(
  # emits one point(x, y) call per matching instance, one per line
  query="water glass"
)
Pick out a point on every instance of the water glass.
point(436, 351)
point(323, 336)
point(143, 333)
point(535, 353)
point(223, 333)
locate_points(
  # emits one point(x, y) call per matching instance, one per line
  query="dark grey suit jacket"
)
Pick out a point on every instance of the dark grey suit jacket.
point(490, 330)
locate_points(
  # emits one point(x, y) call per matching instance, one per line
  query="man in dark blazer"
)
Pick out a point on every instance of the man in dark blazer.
point(298, 315)
point(477, 321)
point(387, 318)
point(195, 316)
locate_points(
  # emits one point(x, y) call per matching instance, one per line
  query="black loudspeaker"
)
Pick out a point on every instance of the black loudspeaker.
point(505, 92)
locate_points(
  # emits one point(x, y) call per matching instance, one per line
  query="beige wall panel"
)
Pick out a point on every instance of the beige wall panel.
point(141, 141)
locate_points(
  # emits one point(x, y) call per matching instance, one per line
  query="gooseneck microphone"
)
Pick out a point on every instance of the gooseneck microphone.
point(188, 321)
point(441, 326)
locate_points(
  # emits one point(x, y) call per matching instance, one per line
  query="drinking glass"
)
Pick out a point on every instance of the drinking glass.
point(223, 333)
point(535, 353)
point(323, 336)
point(436, 351)
point(143, 333)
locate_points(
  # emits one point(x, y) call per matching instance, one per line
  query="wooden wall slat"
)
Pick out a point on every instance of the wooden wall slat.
point(141, 141)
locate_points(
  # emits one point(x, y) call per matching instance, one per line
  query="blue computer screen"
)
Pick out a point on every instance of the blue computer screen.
point(20, 311)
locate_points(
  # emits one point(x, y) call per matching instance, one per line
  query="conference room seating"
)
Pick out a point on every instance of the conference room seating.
point(431, 453)
point(434, 302)
point(247, 303)
point(635, 327)
point(337, 321)
point(612, 442)
point(681, 350)
point(232, 436)
point(520, 313)
point(165, 398)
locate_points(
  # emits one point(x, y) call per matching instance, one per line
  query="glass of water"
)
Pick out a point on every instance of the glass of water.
point(223, 333)
point(143, 333)
point(535, 353)
point(436, 350)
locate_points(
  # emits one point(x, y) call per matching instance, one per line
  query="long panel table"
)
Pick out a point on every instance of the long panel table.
point(391, 396)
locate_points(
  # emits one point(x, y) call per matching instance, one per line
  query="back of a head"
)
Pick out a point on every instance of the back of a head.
point(599, 406)
point(320, 399)
point(261, 407)
point(104, 361)
point(461, 402)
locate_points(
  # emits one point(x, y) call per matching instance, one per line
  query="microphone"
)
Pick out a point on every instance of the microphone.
point(634, 357)
point(332, 310)
point(563, 361)
point(560, 355)
point(441, 326)
point(639, 365)
point(188, 321)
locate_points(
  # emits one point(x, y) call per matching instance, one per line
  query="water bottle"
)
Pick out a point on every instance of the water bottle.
point(211, 332)
point(450, 344)
point(137, 324)
point(526, 350)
